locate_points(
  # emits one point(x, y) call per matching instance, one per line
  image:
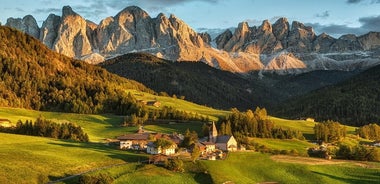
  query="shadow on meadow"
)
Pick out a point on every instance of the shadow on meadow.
point(355, 179)
point(111, 151)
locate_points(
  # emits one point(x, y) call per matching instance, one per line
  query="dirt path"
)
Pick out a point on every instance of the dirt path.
point(92, 170)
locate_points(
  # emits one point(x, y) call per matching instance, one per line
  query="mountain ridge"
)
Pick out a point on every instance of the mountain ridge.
point(245, 50)
point(355, 101)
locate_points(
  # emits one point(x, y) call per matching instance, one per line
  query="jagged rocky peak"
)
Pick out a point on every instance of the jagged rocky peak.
point(350, 37)
point(67, 11)
point(370, 40)
point(49, 30)
point(131, 13)
point(72, 39)
point(298, 25)
point(281, 29)
point(300, 38)
point(222, 39)
point(91, 25)
point(243, 28)
point(266, 26)
point(176, 22)
point(323, 43)
point(161, 16)
point(205, 37)
point(240, 37)
point(28, 25)
point(105, 22)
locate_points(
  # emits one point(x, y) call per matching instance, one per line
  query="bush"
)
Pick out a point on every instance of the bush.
point(101, 178)
point(174, 165)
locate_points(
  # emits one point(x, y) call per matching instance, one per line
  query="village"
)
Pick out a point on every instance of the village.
point(212, 147)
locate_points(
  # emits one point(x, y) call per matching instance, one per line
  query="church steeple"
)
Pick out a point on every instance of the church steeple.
point(213, 134)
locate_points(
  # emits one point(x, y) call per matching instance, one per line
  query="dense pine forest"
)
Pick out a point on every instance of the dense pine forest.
point(254, 124)
point(34, 77)
point(196, 81)
point(353, 102)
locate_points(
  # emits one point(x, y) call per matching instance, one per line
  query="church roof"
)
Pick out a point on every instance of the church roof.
point(223, 138)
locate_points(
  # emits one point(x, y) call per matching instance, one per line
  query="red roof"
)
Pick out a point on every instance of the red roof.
point(141, 136)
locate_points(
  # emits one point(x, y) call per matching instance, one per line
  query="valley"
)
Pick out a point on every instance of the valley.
point(141, 99)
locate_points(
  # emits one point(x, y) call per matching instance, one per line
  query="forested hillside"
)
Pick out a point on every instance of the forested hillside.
point(353, 102)
point(32, 76)
point(195, 81)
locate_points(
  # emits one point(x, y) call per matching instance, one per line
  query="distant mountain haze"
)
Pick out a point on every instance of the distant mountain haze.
point(282, 48)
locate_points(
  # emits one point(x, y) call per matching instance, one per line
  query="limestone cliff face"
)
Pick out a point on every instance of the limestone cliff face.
point(277, 47)
point(129, 30)
point(49, 30)
point(72, 37)
point(27, 25)
point(223, 39)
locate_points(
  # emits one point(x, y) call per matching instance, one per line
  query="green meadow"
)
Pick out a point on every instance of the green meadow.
point(256, 168)
point(286, 144)
point(179, 104)
point(26, 159)
point(251, 167)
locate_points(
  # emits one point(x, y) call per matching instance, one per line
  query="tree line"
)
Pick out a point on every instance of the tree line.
point(329, 131)
point(371, 131)
point(166, 113)
point(47, 128)
point(347, 151)
point(254, 124)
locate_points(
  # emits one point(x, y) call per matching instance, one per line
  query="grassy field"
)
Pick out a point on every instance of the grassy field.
point(287, 144)
point(251, 167)
point(257, 167)
point(179, 104)
point(27, 159)
point(306, 127)
point(98, 127)
point(144, 173)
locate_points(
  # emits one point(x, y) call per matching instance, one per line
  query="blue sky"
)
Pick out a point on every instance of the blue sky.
point(335, 17)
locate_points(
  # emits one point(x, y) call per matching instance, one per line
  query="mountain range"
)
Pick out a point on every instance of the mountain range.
point(281, 47)
point(332, 80)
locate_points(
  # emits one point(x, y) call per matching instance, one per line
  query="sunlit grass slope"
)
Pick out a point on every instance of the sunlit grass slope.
point(98, 127)
point(27, 159)
point(256, 167)
point(306, 127)
point(285, 144)
point(179, 104)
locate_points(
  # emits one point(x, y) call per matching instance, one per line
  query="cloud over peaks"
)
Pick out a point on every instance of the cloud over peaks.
point(359, 1)
point(323, 15)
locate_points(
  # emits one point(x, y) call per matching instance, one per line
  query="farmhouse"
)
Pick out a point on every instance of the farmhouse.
point(154, 103)
point(136, 141)
point(153, 149)
point(144, 141)
point(5, 123)
point(376, 143)
point(209, 147)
